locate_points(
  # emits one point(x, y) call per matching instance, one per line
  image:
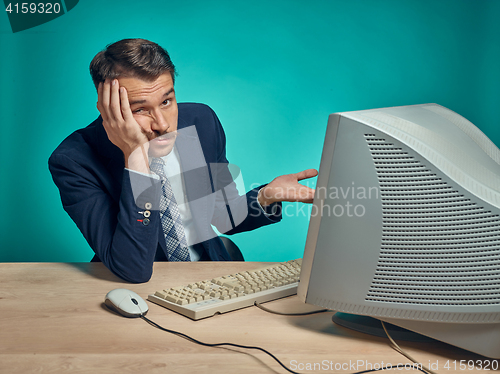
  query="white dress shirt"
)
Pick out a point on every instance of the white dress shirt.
point(173, 172)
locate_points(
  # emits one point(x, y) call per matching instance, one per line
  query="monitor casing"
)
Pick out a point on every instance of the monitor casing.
point(405, 224)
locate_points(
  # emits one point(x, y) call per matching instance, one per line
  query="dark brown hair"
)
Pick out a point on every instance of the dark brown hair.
point(137, 58)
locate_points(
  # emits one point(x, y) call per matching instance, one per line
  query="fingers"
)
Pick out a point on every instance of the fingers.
point(305, 195)
point(300, 194)
point(105, 98)
point(114, 100)
point(110, 102)
point(124, 105)
point(100, 99)
point(118, 120)
point(309, 173)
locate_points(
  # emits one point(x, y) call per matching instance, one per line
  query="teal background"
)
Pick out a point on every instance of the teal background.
point(272, 70)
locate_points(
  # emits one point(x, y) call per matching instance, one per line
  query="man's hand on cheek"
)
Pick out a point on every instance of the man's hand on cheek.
point(121, 127)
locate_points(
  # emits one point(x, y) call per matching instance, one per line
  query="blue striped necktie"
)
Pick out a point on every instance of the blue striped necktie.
point(171, 222)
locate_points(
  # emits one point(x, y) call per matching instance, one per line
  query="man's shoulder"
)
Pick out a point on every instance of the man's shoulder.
point(194, 109)
point(208, 128)
point(86, 143)
point(74, 143)
point(195, 114)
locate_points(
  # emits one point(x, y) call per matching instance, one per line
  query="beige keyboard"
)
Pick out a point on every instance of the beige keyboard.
point(224, 294)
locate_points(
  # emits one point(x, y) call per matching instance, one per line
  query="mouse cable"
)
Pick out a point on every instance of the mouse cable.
point(215, 344)
point(258, 305)
point(193, 340)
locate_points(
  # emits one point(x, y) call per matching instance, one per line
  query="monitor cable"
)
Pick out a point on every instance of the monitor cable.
point(393, 344)
point(291, 314)
point(193, 340)
point(398, 349)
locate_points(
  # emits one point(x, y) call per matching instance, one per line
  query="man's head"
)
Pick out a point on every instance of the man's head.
point(135, 58)
point(136, 76)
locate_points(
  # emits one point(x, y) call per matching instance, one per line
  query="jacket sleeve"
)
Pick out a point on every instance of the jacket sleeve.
point(114, 225)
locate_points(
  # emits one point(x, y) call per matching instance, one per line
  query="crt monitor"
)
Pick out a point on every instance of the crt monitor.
point(405, 224)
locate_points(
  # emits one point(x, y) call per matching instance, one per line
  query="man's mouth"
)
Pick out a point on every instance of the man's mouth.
point(166, 138)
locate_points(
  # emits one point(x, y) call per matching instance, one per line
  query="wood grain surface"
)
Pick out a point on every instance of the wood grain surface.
point(53, 320)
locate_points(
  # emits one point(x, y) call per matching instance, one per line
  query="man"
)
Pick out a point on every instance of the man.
point(147, 179)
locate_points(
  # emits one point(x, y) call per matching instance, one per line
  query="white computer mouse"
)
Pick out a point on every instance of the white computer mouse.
point(126, 302)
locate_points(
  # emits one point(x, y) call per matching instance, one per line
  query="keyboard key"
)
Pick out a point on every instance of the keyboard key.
point(230, 292)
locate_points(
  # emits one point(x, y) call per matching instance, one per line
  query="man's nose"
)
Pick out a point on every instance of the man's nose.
point(159, 123)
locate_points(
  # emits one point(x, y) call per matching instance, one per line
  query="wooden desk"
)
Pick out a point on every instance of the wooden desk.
point(52, 319)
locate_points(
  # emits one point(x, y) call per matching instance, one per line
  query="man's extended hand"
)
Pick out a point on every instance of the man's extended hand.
point(121, 127)
point(287, 188)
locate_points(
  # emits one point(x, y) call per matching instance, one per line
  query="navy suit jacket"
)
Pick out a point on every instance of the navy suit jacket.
point(96, 191)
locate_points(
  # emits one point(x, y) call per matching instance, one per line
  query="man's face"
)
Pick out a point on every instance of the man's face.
point(154, 107)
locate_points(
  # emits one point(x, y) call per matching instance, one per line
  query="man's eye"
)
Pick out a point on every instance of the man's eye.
point(166, 102)
point(138, 110)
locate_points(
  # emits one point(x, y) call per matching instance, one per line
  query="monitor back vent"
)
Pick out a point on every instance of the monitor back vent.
point(438, 247)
